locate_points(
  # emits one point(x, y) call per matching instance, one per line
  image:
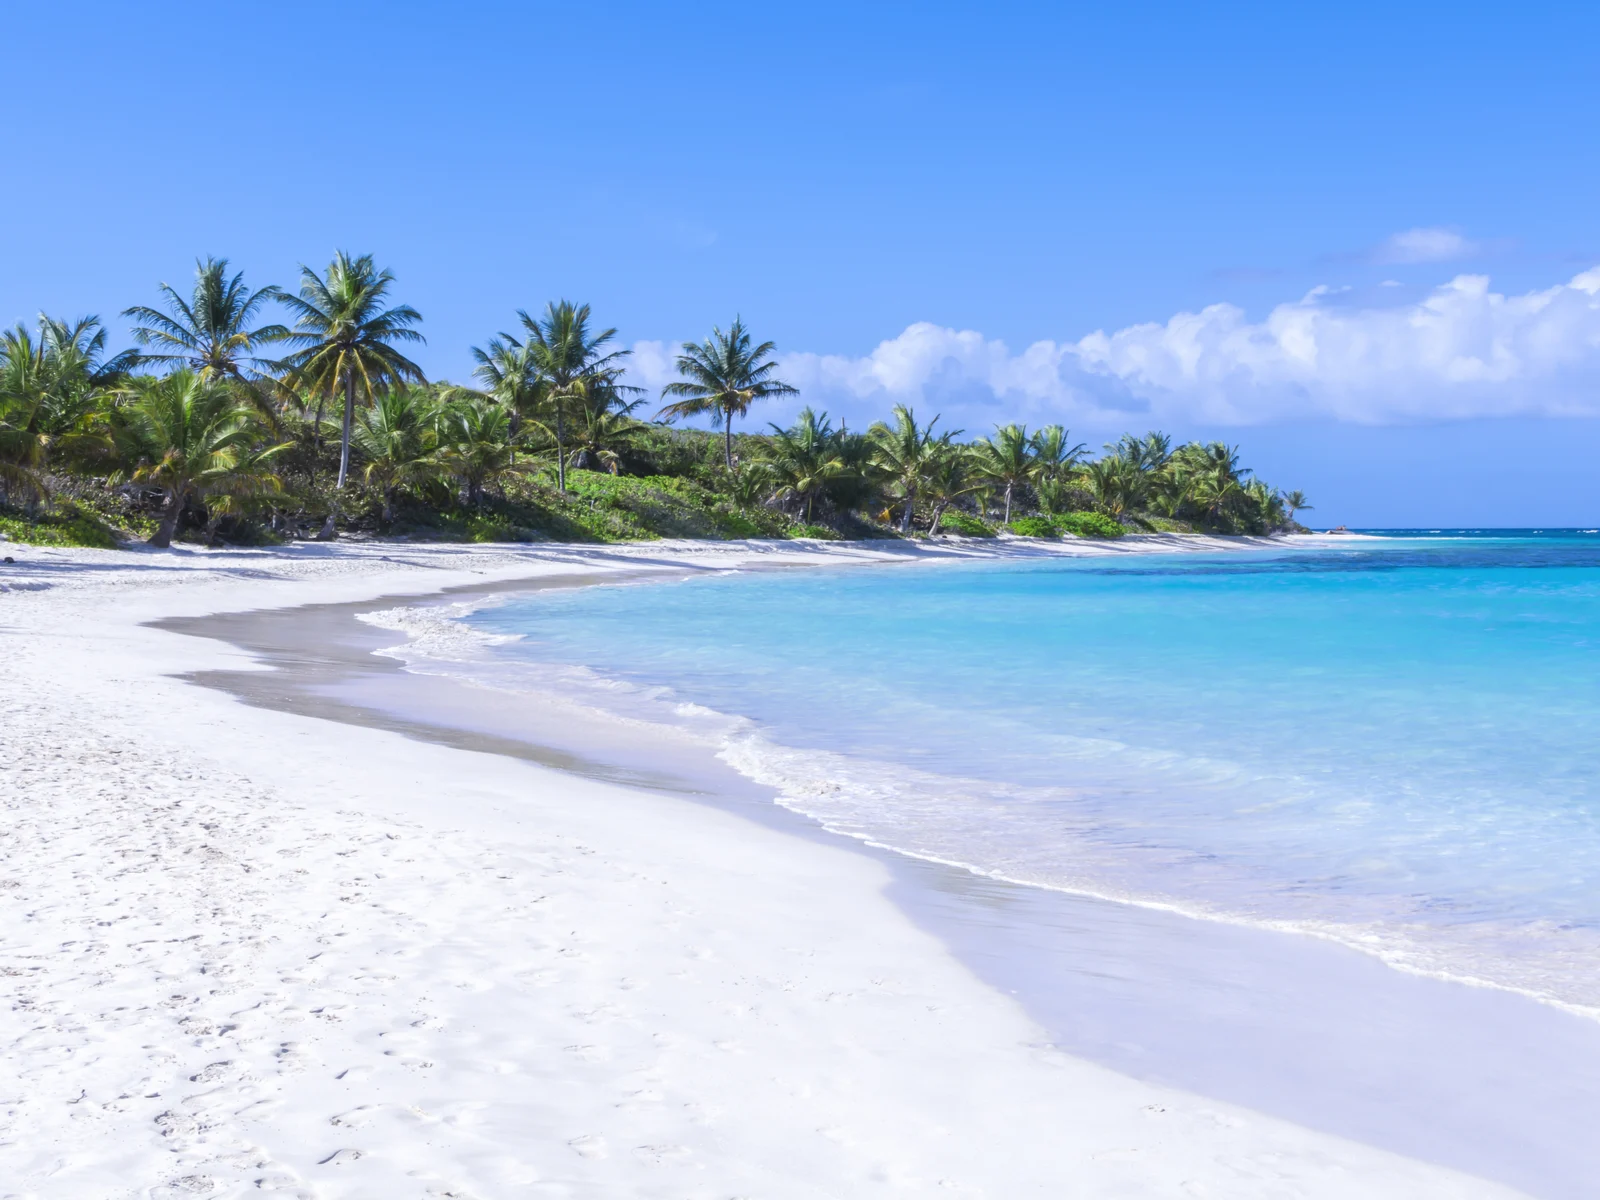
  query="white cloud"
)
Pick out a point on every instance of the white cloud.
point(1461, 351)
point(651, 366)
point(1425, 246)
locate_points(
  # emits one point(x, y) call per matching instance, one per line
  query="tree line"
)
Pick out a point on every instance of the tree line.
point(218, 413)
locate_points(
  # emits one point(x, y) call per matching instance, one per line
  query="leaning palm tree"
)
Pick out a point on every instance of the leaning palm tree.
point(1007, 460)
point(194, 439)
point(210, 332)
point(398, 437)
point(724, 375)
point(1296, 501)
point(347, 332)
point(904, 453)
point(576, 368)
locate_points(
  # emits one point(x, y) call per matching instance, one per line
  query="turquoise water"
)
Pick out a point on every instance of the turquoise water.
point(1392, 743)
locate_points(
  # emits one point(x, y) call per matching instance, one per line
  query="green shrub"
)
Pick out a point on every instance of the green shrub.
point(1034, 527)
point(967, 525)
point(76, 529)
point(492, 527)
point(1090, 525)
point(813, 531)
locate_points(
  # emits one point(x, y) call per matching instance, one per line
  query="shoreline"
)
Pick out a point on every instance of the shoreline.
point(734, 1009)
point(1431, 1039)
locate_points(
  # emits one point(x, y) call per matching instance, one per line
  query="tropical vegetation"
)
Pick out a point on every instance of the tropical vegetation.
point(222, 424)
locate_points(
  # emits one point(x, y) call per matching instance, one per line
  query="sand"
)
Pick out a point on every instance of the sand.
point(253, 951)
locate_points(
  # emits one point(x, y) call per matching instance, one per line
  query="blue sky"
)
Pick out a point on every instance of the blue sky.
point(907, 198)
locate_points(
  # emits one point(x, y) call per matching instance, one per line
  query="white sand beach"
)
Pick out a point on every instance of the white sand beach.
point(250, 951)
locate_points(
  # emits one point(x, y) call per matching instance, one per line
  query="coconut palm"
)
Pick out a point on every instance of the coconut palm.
point(751, 487)
point(904, 453)
point(1267, 502)
point(1149, 453)
point(1116, 483)
point(1210, 476)
point(346, 331)
point(509, 372)
point(1296, 501)
point(601, 430)
point(397, 435)
point(575, 367)
point(51, 387)
point(194, 439)
point(1053, 457)
point(476, 443)
point(724, 375)
point(1056, 462)
point(1007, 460)
point(211, 331)
point(804, 460)
point(947, 478)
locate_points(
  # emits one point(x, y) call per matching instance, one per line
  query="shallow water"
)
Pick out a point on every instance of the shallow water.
point(1390, 744)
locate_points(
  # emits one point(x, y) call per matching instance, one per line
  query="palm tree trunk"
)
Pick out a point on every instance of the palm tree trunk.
point(349, 420)
point(1008, 504)
point(561, 451)
point(161, 539)
point(911, 503)
point(727, 438)
point(938, 515)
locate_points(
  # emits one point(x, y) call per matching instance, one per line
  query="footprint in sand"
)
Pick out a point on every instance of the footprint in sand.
point(211, 1072)
point(660, 1156)
point(589, 1146)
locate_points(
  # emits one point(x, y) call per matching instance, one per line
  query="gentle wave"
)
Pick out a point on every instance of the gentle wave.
point(988, 828)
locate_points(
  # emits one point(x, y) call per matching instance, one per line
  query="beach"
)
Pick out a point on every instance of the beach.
point(251, 949)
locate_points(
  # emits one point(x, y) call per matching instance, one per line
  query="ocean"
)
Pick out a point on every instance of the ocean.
point(1390, 743)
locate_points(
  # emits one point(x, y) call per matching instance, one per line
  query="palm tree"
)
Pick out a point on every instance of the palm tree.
point(602, 430)
point(398, 437)
point(724, 375)
point(1149, 453)
point(476, 443)
point(574, 366)
point(50, 399)
point(905, 453)
point(1210, 476)
point(1055, 463)
point(947, 479)
point(751, 487)
point(1268, 504)
point(347, 330)
point(1007, 459)
point(804, 459)
point(509, 372)
point(210, 332)
point(193, 438)
point(1296, 501)
point(1116, 483)
point(1053, 458)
